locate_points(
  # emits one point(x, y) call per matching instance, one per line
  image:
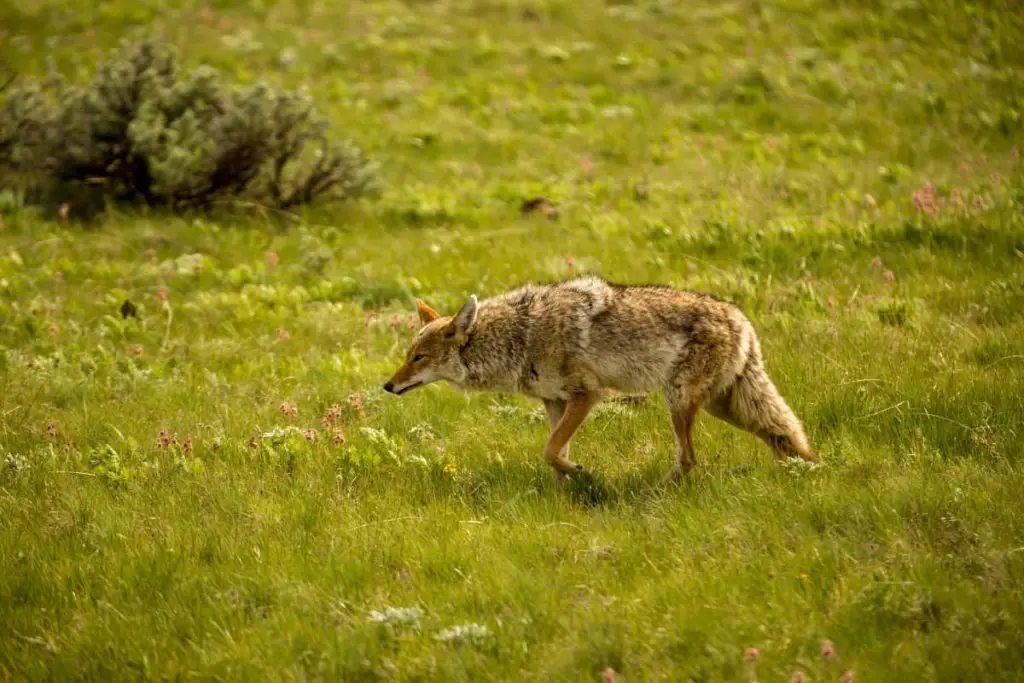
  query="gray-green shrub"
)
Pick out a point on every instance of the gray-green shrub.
point(144, 131)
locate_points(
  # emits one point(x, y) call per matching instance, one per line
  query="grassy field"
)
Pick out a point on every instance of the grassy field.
point(220, 489)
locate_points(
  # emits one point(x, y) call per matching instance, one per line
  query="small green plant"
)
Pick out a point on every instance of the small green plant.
point(106, 463)
point(144, 132)
point(895, 312)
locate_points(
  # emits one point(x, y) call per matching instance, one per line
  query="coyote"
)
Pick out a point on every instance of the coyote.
point(569, 343)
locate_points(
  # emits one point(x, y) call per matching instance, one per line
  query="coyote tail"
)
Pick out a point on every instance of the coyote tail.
point(754, 403)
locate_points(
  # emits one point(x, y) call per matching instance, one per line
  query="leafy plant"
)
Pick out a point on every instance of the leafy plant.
point(145, 132)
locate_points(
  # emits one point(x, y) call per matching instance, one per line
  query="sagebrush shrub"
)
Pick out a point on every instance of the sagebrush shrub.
point(143, 131)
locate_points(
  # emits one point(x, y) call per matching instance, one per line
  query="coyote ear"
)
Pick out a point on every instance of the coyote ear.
point(427, 314)
point(463, 321)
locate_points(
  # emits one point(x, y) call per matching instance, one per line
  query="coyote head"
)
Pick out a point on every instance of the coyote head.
point(434, 353)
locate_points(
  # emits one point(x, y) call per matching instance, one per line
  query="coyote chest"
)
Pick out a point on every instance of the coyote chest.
point(540, 381)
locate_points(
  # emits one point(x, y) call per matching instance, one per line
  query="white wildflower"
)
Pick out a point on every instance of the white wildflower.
point(504, 410)
point(422, 431)
point(617, 111)
point(537, 415)
point(397, 616)
point(279, 433)
point(797, 466)
point(464, 633)
point(15, 462)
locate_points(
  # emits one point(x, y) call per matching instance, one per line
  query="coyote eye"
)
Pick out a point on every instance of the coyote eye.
point(417, 358)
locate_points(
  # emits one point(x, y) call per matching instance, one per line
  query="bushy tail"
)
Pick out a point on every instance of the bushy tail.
point(753, 403)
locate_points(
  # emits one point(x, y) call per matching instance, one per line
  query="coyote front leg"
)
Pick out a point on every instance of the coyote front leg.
point(555, 408)
point(566, 417)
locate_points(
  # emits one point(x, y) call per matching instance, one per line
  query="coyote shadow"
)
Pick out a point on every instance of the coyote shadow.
point(589, 490)
point(593, 490)
point(596, 489)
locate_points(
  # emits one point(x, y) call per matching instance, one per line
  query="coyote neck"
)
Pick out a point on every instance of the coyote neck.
point(494, 356)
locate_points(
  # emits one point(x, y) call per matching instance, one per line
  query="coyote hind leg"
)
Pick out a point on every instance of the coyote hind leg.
point(684, 416)
point(685, 394)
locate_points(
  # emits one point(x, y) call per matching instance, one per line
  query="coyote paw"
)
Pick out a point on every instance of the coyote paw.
point(562, 475)
point(675, 475)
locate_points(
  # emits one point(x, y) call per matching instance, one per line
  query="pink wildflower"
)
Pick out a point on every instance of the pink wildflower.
point(926, 200)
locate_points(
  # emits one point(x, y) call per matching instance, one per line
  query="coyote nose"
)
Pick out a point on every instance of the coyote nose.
point(389, 387)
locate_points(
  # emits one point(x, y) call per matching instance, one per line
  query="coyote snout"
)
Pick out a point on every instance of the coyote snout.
point(390, 388)
point(568, 343)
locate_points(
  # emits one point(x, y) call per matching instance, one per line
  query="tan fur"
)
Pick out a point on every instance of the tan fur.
point(572, 343)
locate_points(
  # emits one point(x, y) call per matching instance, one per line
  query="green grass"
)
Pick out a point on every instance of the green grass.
point(768, 152)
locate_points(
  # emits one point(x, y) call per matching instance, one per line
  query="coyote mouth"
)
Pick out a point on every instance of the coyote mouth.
point(408, 388)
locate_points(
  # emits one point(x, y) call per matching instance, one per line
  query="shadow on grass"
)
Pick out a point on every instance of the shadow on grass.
point(494, 485)
point(589, 490)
